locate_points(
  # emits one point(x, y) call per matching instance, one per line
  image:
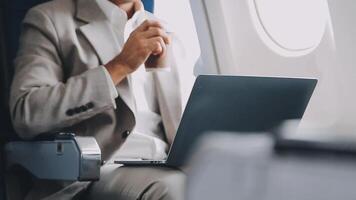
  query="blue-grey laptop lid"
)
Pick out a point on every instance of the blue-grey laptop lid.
point(238, 104)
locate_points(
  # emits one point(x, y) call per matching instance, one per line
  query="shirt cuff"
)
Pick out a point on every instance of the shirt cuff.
point(112, 87)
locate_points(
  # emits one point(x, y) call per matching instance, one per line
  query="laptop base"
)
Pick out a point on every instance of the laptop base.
point(162, 163)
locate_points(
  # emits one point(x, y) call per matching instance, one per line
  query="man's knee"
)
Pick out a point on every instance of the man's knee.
point(171, 187)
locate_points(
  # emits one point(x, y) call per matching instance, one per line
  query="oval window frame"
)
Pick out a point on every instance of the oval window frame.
point(272, 43)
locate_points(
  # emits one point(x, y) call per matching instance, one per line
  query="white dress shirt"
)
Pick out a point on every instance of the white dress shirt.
point(147, 139)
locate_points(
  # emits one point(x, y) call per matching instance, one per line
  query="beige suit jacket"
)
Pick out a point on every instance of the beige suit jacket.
point(59, 86)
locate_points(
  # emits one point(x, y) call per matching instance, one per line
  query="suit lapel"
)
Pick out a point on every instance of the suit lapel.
point(168, 92)
point(101, 36)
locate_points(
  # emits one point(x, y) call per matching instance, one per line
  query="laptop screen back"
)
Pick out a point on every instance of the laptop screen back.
point(238, 104)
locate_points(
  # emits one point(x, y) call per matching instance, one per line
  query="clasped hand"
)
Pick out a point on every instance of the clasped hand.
point(148, 39)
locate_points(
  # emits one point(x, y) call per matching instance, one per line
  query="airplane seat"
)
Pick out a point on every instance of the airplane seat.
point(149, 5)
point(16, 155)
point(82, 152)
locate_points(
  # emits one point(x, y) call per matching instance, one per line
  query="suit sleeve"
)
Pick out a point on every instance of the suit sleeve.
point(41, 100)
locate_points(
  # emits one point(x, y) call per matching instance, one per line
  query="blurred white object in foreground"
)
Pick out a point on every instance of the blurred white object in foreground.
point(245, 167)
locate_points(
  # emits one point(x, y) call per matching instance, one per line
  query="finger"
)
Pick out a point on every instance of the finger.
point(155, 32)
point(156, 45)
point(148, 23)
point(163, 48)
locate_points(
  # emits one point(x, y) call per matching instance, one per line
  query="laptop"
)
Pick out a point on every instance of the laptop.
point(234, 104)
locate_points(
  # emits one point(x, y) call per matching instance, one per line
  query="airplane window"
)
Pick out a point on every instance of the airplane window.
point(179, 16)
point(291, 27)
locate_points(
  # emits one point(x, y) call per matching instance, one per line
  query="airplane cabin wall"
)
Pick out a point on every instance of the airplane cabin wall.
point(333, 61)
point(343, 18)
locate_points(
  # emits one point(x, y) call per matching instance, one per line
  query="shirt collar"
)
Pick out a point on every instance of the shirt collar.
point(115, 14)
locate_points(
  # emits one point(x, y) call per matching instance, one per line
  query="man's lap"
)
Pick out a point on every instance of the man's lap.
point(128, 183)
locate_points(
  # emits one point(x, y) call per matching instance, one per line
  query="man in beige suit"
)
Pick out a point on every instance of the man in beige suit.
point(76, 71)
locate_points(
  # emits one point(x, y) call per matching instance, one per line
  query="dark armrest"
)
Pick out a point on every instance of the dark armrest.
point(63, 157)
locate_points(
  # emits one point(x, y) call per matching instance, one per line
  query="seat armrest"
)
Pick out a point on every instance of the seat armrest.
point(64, 157)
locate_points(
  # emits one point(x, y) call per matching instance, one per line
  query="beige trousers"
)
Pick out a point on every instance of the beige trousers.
point(136, 183)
